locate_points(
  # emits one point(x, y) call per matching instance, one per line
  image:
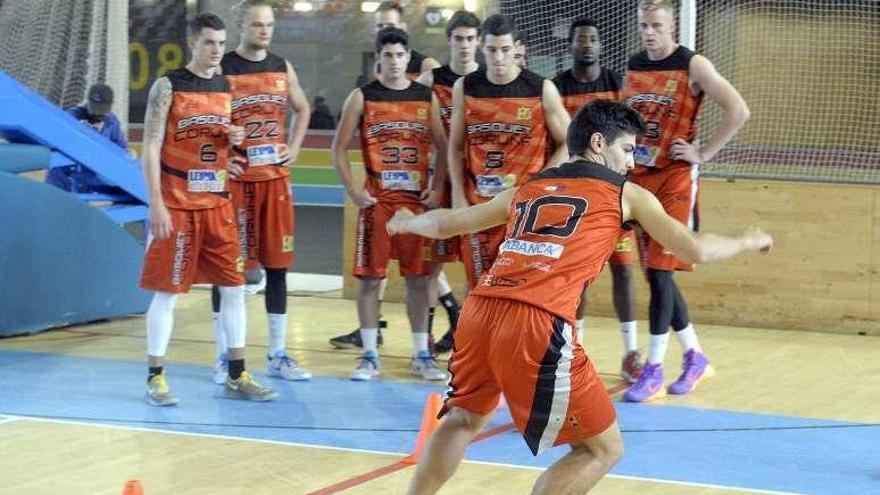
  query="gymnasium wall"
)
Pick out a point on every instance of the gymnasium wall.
point(823, 275)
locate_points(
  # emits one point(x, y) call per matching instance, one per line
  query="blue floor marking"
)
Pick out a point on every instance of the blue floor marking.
point(827, 461)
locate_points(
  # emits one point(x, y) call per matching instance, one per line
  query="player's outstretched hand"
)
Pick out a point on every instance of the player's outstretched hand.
point(236, 165)
point(397, 223)
point(362, 198)
point(160, 221)
point(759, 240)
point(683, 150)
point(236, 135)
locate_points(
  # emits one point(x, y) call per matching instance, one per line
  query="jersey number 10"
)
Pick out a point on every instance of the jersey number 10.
point(527, 216)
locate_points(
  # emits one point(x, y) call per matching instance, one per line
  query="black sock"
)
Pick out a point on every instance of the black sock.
point(431, 311)
point(452, 308)
point(154, 370)
point(276, 291)
point(662, 300)
point(215, 298)
point(236, 367)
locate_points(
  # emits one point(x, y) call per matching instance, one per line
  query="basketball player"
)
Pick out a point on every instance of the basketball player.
point(390, 14)
point(463, 37)
point(584, 82)
point(498, 137)
point(515, 335)
point(187, 134)
point(666, 83)
point(264, 86)
point(397, 125)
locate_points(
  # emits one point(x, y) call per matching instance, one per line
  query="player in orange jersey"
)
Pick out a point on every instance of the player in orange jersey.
point(584, 82)
point(264, 88)
point(398, 124)
point(187, 134)
point(666, 83)
point(390, 14)
point(463, 38)
point(502, 118)
point(515, 335)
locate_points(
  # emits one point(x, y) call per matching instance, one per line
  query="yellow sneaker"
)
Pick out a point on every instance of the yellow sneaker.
point(158, 393)
point(246, 388)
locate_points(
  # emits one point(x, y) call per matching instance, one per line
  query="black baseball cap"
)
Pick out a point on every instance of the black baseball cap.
point(100, 99)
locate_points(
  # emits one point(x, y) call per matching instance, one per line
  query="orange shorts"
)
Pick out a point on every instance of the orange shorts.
point(552, 389)
point(677, 188)
point(202, 248)
point(478, 252)
point(265, 222)
point(374, 247)
point(622, 254)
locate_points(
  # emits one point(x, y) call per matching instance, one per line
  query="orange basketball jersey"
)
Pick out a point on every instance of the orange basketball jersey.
point(259, 104)
point(396, 141)
point(658, 90)
point(195, 150)
point(576, 94)
point(444, 79)
point(505, 133)
point(564, 224)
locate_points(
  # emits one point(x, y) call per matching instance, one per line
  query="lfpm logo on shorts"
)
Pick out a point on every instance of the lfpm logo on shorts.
point(206, 180)
point(287, 244)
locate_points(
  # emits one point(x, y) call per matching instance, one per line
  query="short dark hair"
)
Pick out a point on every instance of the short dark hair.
point(387, 6)
point(608, 118)
point(499, 25)
point(581, 22)
point(204, 20)
point(462, 19)
point(391, 36)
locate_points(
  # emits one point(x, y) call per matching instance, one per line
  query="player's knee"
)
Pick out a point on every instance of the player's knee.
point(659, 280)
point(370, 284)
point(418, 282)
point(621, 272)
point(460, 418)
point(606, 448)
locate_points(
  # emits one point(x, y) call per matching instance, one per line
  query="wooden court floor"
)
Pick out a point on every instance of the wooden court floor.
point(72, 422)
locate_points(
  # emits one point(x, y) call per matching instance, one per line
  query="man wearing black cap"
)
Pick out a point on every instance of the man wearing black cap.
point(95, 113)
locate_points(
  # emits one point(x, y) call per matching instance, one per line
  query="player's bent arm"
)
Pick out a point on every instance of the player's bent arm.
point(641, 206)
point(300, 104)
point(445, 223)
point(557, 119)
point(428, 64)
point(155, 120)
point(735, 111)
point(352, 110)
point(440, 144)
point(455, 146)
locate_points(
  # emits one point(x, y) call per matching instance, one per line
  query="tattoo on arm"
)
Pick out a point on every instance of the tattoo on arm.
point(156, 115)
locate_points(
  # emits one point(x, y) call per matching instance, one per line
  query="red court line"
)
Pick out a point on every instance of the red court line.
point(399, 465)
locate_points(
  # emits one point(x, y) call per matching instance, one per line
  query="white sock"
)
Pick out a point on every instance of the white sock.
point(688, 338)
point(579, 328)
point(219, 335)
point(369, 336)
point(232, 316)
point(657, 348)
point(443, 284)
point(160, 321)
point(420, 343)
point(630, 336)
point(277, 332)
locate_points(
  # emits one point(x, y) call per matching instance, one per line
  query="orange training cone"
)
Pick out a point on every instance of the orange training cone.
point(429, 424)
point(133, 487)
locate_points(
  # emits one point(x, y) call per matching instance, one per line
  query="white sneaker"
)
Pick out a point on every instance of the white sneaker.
point(367, 368)
point(283, 366)
point(221, 370)
point(425, 366)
